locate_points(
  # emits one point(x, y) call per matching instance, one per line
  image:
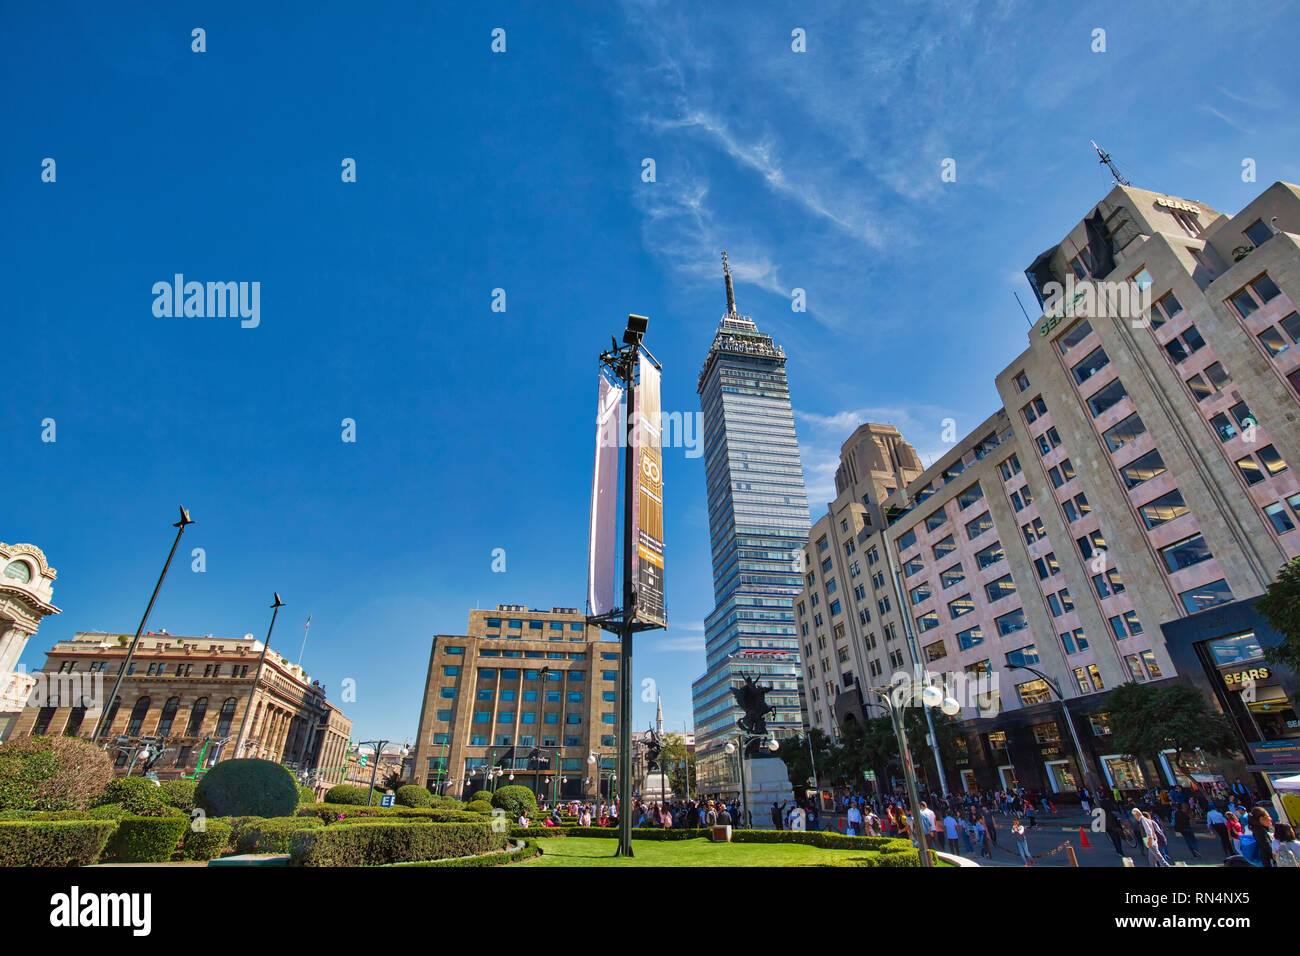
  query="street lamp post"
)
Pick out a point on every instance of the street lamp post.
point(240, 742)
point(622, 363)
point(1088, 780)
point(928, 699)
point(772, 744)
point(379, 746)
point(106, 707)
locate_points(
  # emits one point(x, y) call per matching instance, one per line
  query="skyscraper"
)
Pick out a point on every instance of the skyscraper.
point(758, 523)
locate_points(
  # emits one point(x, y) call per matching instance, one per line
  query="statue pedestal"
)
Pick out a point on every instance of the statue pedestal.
point(656, 788)
point(766, 781)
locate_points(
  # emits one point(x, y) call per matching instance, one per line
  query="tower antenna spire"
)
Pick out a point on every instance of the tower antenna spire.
point(1105, 158)
point(731, 294)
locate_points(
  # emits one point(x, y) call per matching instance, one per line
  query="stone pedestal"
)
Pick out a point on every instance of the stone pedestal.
point(766, 781)
point(656, 788)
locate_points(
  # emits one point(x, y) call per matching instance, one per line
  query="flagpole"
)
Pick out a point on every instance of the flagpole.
point(305, 628)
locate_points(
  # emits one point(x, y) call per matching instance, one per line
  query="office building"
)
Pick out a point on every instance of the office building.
point(1117, 518)
point(526, 692)
point(758, 521)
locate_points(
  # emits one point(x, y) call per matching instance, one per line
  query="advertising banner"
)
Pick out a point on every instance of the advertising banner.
point(602, 539)
point(648, 516)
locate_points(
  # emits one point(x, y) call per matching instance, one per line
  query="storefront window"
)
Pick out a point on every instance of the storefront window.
point(1122, 772)
point(1231, 650)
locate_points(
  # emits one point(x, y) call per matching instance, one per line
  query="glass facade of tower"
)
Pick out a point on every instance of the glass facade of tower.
point(758, 525)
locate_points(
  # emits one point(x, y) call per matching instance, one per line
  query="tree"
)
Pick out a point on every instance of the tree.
point(1280, 607)
point(673, 754)
point(799, 763)
point(1145, 721)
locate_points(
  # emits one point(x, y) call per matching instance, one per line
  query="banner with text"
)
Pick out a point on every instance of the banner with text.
point(648, 515)
point(602, 539)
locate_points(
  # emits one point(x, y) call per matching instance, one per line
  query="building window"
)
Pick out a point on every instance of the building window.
point(1185, 553)
point(225, 718)
point(1206, 596)
point(1092, 363)
point(969, 638)
point(1076, 334)
point(1142, 469)
point(1001, 588)
point(990, 555)
point(1034, 692)
point(1107, 398)
point(1089, 679)
point(1010, 623)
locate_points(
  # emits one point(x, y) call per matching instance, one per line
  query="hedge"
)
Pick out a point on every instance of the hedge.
point(826, 841)
point(526, 851)
point(516, 801)
point(306, 795)
point(330, 813)
point(910, 858)
point(179, 793)
point(120, 788)
point(272, 835)
point(413, 796)
point(147, 839)
point(210, 842)
point(480, 806)
point(53, 842)
point(481, 795)
point(347, 793)
point(247, 786)
point(51, 773)
point(378, 844)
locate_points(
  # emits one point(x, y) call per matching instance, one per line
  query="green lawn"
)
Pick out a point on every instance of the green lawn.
point(593, 851)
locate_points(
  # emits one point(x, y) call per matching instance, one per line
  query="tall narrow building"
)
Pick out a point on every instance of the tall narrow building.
point(758, 523)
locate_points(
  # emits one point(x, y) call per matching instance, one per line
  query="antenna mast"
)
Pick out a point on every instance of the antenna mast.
point(1105, 158)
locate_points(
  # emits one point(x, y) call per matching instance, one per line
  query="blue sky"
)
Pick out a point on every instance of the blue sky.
point(522, 171)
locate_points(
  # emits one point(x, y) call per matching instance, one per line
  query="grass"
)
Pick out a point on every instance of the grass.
point(592, 851)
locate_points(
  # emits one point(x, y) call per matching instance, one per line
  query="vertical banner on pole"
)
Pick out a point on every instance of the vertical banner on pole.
point(648, 513)
point(602, 540)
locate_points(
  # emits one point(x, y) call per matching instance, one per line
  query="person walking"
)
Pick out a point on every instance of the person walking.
point(1183, 827)
point(982, 838)
point(1286, 849)
point(776, 815)
point(1022, 842)
point(1145, 828)
point(1218, 825)
point(855, 820)
point(950, 832)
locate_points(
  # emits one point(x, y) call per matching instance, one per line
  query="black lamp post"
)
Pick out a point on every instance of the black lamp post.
point(622, 362)
point(107, 706)
point(240, 742)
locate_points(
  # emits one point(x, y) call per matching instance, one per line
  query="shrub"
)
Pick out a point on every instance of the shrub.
point(447, 803)
point(106, 811)
point(179, 793)
point(120, 788)
point(515, 800)
point(139, 802)
point(380, 843)
point(347, 793)
point(247, 786)
point(51, 773)
point(209, 843)
point(413, 796)
point(53, 842)
point(479, 806)
point(147, 839)
point(331, 812)
point(481, 795)
point(272, 836)
point(306, 795)
point(525, 851)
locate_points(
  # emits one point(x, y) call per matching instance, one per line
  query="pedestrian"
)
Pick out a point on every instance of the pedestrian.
point(982, 838)
point(1286, 849)
point(1218, 825)
point(950, 831)
point(1145, 827)
point(991, 826)
point(1260, 826)
point(1114, 828)
point(1022, 842)
point(1183, 827)
point(855, 820)
point(776, 814)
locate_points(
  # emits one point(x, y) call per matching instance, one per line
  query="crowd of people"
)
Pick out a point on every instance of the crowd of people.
point(968, 823)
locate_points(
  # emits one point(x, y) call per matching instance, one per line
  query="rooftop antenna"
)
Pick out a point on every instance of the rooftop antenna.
point(1022, 307)
point(1105, 158)
point(731, 295)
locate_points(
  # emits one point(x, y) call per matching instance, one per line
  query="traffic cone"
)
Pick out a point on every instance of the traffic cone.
point(1083, 839)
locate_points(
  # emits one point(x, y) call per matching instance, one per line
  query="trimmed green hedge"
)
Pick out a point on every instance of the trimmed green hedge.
point(247, 786)
point(527, 851)
point(209, 843)
point(330, 813)
point(179, 793)
point(481, 807)
point(515, 800)
point(826, 841)
point(481, 795)
point(52, 773)
point(272, 835)
point(911, 858)
point(353, 796)
point(378, 844)
point(147, 839)
point(413, 795)
point(306, 795)
point(53, 842)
